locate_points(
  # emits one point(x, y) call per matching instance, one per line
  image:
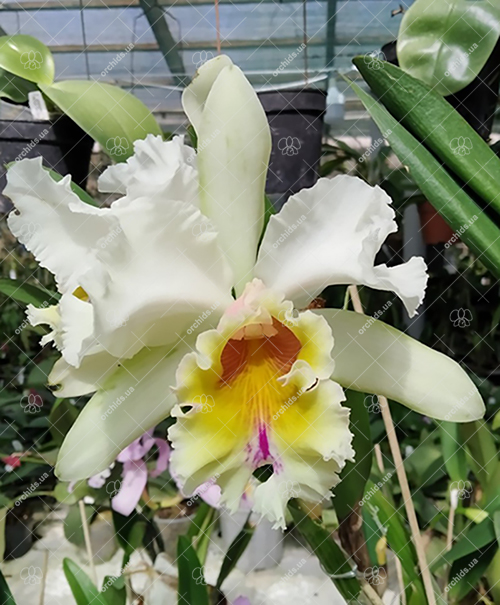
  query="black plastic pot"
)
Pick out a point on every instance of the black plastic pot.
point(63, 145)
point(18, 532)
point(477, 102)
point(296, 121)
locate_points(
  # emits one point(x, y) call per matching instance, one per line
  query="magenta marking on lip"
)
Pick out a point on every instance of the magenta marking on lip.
point(264, 443)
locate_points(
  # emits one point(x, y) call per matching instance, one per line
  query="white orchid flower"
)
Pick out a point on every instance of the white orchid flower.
point(178, 256)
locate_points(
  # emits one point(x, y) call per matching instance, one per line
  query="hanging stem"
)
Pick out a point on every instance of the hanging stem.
point(402, 478)
point(88, 545)
point(217, 26)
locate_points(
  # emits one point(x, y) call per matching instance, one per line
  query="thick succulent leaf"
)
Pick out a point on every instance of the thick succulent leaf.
point(14, 88)
point(112, 116)
point(27, 57)
point(463, 215)
point(446, 43)
point(436, 124)
point(373, 357)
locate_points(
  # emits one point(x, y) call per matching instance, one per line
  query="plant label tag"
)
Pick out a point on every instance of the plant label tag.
point(37, 105)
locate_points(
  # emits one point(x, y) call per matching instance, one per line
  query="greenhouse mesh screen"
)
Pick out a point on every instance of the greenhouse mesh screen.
point(113, 41)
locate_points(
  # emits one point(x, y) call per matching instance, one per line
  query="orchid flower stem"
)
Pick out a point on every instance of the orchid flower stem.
point(402, 478)
point(44, 576)
point(88, 545)
point(371, 594)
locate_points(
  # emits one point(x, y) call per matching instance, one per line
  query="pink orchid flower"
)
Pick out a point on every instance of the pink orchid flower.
point(135, 471)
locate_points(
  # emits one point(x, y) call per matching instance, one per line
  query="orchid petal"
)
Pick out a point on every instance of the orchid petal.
point(373, 357)
point(156, 165)
point(330, 234)
point(134, 399)
point(89, 377)
point(112, 254)
point(134, 479)
point(234, 145)
point(55, 225)
point(165, 269)
point(163, 457)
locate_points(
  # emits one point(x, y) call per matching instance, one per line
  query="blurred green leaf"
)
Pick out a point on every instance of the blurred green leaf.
point(355, 474)
point(114, 590)
point(332, 559)
point(6, 597)
point(14, 88)
point(27, 293)
point(392, 524)
point(453, 449)
point(446, 43)
point(73, 528)
point(84, 591)
point(192, 586)
point(234, 552)
point(129, 532)
point(112, 116)
point(476, 538)
point(27, 57)
point(466, 572)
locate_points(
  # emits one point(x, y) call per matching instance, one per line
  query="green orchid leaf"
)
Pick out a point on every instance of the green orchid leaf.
point(453, 450)
point(477, 537)
point(192, 586)
point(234, 552)
point(465, 573)
point(463, 215)
point(349, 492)
point(434, 122)
point(392, 525)
point(114, 590)
point(83, 589)
point(28, 58)
point(112, 116)
point(14, 88)
point(27, 293)
point(6, 597)
point(481, 444)
point(325, 548)
point(446, 43)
